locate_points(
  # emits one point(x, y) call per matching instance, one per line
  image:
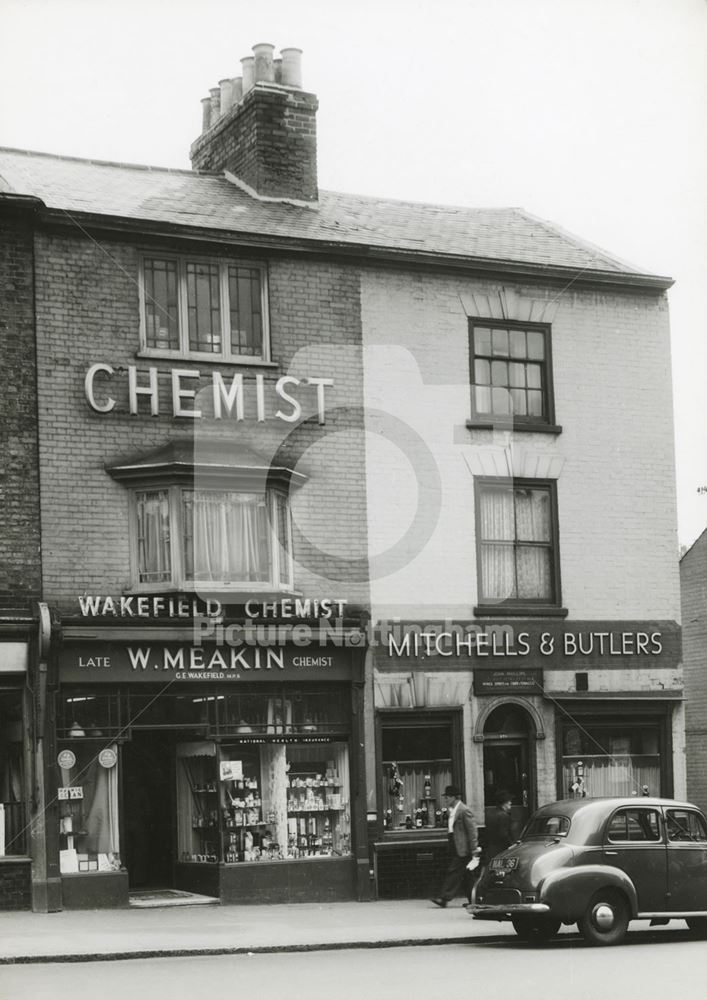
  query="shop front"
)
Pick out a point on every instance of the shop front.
point(231, 772)
point(531, 712)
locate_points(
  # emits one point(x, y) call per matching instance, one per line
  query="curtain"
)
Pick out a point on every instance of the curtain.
point(226, 537)
point(497, 560)
point(509, 568)
point(610, 776)
point(153, 537)
point(533, 524)
point(101, 821)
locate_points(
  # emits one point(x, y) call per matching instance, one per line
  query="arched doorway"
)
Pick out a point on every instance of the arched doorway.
point(508, 765)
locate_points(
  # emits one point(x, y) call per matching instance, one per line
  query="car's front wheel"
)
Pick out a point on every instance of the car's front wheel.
point(535, 929)
point(698, 926)
point(606, 918)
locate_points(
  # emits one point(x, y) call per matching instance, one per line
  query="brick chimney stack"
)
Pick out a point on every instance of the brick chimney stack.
point(260, 129)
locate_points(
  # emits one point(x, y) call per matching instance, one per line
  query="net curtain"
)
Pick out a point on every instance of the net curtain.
point(510, 517)
point(229, 533)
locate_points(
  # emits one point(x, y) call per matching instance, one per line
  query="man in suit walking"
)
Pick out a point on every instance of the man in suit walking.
point(463, 847)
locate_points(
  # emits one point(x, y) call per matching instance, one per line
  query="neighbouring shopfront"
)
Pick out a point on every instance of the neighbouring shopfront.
point(537, 710)
point(231, 771)
point(15, 769)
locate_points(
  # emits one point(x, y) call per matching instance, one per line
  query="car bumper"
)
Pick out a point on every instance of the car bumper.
point(480, 912)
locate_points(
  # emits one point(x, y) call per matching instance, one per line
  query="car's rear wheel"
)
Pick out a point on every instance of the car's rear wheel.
point(698, 926)
point(535, 929)
point(606, 918)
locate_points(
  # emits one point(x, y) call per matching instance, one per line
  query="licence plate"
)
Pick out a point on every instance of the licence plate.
point(504, 864)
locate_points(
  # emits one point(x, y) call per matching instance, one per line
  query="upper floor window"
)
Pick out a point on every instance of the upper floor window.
point(215, 513)
point(517, 542)
point(511, 373)
point(213, 309)
point(228, 538)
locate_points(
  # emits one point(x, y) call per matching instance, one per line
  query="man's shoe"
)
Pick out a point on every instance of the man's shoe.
point(439, 902)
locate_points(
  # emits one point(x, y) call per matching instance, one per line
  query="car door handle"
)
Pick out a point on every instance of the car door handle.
point(611, 854)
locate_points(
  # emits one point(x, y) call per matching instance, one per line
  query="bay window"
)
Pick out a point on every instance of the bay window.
point(226, 537)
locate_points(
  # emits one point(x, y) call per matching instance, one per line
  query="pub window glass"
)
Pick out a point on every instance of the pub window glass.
point(416, 768)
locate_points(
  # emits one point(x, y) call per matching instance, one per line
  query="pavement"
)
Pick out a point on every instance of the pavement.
point(91, 935)
point(170, 931)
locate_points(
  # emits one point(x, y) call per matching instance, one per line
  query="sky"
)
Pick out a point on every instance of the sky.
point(590, 113)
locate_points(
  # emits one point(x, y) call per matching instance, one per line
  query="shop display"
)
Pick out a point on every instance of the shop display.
point(312, 829)
point(88, 812)
point(198, 803)
point(241, 803)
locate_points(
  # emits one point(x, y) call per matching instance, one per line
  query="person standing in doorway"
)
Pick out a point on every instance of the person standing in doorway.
point(499, 833)
point(463, 847)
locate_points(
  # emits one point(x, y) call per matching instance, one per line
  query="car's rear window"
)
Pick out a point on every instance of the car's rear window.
point(634, 825)
point(547, 826)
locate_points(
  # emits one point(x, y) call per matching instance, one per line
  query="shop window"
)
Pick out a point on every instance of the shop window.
point(605, 759)
point(511, 375)
point(228, 538)
point(418, 761)
point(241, 802)
point(85, 713)
point(517, 543)
point(215, 309)
point(13, 838)
point(289, 711)
point(89, 839)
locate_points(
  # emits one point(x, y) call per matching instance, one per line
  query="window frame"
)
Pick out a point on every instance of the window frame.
point(543, 424)
point(184, 352)
point(524, 605)
point(624, 812)
point(278, 582)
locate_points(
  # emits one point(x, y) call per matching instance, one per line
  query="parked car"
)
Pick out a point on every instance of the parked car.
point(600, 863)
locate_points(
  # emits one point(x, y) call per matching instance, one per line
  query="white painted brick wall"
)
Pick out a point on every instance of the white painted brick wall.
point(616, 491)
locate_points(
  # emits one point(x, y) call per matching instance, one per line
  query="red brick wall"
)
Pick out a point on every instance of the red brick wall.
point(20, 560)
point(693, 589)
point(268, 141)
point(88, 312)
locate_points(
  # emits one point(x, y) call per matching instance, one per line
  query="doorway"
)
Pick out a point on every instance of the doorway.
point(507, 764)
point(149, 809)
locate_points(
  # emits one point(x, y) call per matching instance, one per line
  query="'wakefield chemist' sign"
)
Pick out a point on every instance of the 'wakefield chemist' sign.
point(150, 662)
point(568, 645)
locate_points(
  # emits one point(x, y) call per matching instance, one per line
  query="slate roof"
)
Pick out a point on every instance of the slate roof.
point(160, 196)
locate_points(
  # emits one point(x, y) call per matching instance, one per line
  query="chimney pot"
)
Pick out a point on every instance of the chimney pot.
point(205, 114)
point(226, 88)
point(248, 64)
point(277, 64)
point(215, 104)
point(237, 82)
point(292, 67)
point(264, 69)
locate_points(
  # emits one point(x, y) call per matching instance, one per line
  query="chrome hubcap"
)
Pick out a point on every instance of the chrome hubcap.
point(603, 916)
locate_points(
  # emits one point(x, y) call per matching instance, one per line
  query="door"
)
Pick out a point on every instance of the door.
point(506, 770)
point(687, 860)
point(634, 842)
point(148, 809)
point(507, 762)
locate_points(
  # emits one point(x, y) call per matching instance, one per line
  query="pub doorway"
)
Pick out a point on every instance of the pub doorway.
point(508, 764)
point(148, 807)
